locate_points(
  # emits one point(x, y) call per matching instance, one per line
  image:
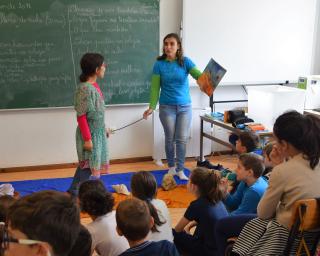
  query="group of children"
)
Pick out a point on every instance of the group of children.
point(48, 223)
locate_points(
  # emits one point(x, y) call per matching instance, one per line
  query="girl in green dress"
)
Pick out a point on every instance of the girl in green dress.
point(91, 134)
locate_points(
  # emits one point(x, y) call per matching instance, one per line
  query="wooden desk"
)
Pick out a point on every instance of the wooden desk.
point(226, 126)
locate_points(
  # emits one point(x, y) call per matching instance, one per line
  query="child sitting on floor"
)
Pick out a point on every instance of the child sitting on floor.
point(135, 222)
point(98, 203)
point(203, 213)
point(251, 187)
point(144, 187)
point(267, 149)
point(243, 203)
point(247, 142)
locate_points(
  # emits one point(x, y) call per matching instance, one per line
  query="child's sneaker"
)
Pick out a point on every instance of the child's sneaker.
point(208, 165)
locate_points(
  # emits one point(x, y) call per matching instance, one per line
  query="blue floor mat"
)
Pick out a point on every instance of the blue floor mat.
point(27, 187)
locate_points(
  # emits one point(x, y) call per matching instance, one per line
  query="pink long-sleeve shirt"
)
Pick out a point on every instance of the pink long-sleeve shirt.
point(83, 122)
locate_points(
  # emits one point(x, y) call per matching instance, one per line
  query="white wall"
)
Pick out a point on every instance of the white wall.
point(316, 49)
point(46, 136)
point(39, 137)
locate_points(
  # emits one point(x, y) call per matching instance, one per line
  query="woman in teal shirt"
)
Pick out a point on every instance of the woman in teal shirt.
point(170, 82)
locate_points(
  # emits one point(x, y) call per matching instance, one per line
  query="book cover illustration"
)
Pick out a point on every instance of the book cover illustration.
point(211, 77)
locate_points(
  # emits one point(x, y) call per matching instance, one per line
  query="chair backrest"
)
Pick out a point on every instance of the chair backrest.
point(304, 228)
point(310, 208)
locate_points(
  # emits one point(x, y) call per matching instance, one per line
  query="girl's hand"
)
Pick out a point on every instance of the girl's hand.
point(148, 112)
point(88, 146)
point(188, 228)
point(276, 155)
point(224, 185)
point(108, 132)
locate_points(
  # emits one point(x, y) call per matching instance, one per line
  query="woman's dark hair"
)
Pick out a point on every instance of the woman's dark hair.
point(208, 183)
point(89, 64)
point(179, 51)
point(144, 186)
point(94, 198)
point(302, 132)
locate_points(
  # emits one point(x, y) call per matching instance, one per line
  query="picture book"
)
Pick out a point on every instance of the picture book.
point(211, 77)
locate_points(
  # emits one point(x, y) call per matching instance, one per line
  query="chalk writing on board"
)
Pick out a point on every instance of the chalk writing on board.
point(42, 42)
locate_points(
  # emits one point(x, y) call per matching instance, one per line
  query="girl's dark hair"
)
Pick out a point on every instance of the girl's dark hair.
point(179, 54)
point(94, 198)
point(254, 162)
point(144, 186)
point(89, 64)
point(5, 202)
point(208, 183)
point(302, 132)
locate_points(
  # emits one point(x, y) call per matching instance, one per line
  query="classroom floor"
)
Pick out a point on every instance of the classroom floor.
point(176, 213)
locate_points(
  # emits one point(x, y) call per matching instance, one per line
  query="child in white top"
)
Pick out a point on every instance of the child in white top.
point(144, 187)
point(98, 203)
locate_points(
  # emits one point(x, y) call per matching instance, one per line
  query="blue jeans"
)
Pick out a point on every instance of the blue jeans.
point(80, 176)
point(176, 122)
point(230, 226)
point(190, 245)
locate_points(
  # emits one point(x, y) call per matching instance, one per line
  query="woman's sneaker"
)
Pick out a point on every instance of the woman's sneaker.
point(182, 176)
point(172, 171)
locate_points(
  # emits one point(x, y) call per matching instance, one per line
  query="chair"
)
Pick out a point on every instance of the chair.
point(304, 228)
point(304, 233)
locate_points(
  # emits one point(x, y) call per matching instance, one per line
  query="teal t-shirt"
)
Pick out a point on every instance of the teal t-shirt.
point(174, 82)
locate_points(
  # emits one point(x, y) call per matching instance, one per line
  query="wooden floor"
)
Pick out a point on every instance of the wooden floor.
point(176, 213)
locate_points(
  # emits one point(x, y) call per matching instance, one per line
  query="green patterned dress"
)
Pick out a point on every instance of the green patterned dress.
point(88, 101)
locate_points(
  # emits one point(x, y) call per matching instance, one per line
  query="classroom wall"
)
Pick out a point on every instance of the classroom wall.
point(46, 136)
point(316, 59)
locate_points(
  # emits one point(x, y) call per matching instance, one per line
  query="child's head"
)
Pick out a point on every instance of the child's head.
point(133, 219)
point(92, 64)
point(247, 142)
point(144, 187)
point(295, 132)
point(205, 183)
point(266, 154)
point(50, 219)
point(250, 166)
point(94, 198)
point(5, 202)
point(82, 246)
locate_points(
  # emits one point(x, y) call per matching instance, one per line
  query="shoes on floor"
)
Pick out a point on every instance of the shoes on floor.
point(121, 189)
point(208, 165)
point(182, 176)
point(172, 171)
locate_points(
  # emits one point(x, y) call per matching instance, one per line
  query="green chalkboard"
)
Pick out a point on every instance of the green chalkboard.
point(42, 41)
